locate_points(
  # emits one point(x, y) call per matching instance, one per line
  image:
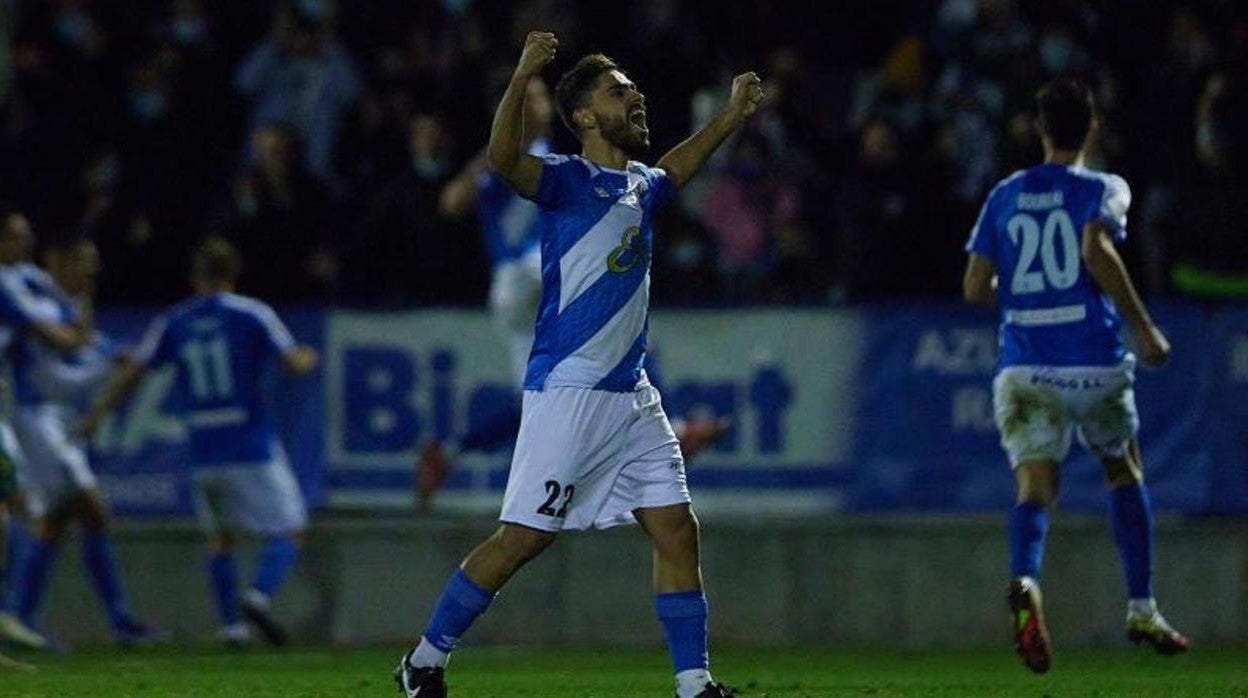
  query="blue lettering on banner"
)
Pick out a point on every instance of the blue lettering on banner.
point(378, 385)
point(770, 394)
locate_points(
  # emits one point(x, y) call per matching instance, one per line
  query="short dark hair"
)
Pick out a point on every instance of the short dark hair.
point(576, 84)
point(216, 260)
point(1066, 111)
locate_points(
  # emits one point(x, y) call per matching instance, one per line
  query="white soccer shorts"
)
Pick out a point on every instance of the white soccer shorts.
point(55, 465)
point(590, 457)
point(515, 294)
point(1038, 408)
point(262, 499)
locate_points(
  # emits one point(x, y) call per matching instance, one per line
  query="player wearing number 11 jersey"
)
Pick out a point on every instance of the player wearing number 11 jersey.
point(219, 344)
point(1045, 242)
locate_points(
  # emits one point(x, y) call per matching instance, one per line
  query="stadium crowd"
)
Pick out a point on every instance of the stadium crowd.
point(318, 136)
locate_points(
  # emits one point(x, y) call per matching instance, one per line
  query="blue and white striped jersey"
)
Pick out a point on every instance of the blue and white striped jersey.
point(221, 345)
point(509, 222)
point(597, 236)
point(42, 374)
point(23, 300)
point(1052, 311)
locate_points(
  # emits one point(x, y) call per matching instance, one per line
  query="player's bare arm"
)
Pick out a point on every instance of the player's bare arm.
point(979, 283)
point(61, 336)
point(683, 162)
point(300, 360)
point(460, 194)
point(506, 152)
point(125, 379)
point(1107, 268)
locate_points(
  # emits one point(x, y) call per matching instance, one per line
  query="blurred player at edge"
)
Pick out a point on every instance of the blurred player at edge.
point(1044, 249)
point(595, 447)
point(512, 232)
point(20, 314)
point(220, 344)
point(51, 388)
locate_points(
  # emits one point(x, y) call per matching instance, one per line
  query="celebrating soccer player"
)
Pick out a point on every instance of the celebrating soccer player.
point(595, 446)
point(1044, 248)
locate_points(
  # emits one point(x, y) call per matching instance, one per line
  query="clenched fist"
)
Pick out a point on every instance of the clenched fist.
point(539, 49)
point(747, 92)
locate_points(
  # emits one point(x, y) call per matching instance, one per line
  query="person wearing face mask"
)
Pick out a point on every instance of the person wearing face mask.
point(304, 77)
point(404, 246)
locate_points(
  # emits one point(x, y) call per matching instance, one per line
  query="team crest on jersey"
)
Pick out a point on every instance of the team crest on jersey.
point(630, 252)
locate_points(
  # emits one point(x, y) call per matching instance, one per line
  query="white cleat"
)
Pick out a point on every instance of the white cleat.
point(234, 635)
point(14, 631)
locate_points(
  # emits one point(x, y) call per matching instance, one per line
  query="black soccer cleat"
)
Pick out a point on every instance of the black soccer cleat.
point(425, 682)
point(263, 619)
point(717, 690)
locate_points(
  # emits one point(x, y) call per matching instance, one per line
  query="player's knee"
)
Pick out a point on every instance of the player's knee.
point(95, 514)
point(677, 533)
point(522, 544)
point(217, 543)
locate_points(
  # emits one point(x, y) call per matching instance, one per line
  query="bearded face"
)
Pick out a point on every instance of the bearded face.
point(628, 133)
point(620, 113)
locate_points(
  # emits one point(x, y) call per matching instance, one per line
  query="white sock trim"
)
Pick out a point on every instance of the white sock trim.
point(691, 682)
point(1141, 607)
point(426, 655)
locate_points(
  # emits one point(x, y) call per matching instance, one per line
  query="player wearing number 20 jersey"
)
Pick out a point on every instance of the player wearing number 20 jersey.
point(1053, 313)
point(1047, 240)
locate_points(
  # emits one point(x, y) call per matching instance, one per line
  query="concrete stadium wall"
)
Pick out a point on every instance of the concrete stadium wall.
point(910, 582)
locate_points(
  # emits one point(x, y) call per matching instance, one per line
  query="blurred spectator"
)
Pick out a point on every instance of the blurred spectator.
point(304, 77)
point(406, 253)
point(746, 208)
point(1206, 226)
point(879, 219)
point(129, 118)
point(282, 220)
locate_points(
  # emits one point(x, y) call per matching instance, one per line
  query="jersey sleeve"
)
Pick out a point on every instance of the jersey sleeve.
point(983, 239)
point(558, 173)
point(21, 307)
point(277, 339)
point(661, 184)
point(154, 348)
point(1115, 201)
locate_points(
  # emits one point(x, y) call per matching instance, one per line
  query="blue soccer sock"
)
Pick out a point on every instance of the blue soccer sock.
point(1029, 524)
point(97, 557)
point(15, 547)
point(460, 604)
point(1131, 517)
point(683, 615)
point(30, 579)
point(223, 579)
point(277, 559)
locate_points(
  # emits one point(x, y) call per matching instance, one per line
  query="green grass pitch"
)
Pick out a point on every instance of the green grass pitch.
point(608, 673)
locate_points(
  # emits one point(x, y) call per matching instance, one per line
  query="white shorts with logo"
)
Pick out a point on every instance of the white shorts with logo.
point(55, 465)
point(262, 499)
point(515, 294)
point(590, 457)
point(1038, 408)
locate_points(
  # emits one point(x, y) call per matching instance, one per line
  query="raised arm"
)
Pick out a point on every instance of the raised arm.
point(1107, 268)
point(506, 154)
point(683, 162)
point(125, 378)
point(460, 194)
